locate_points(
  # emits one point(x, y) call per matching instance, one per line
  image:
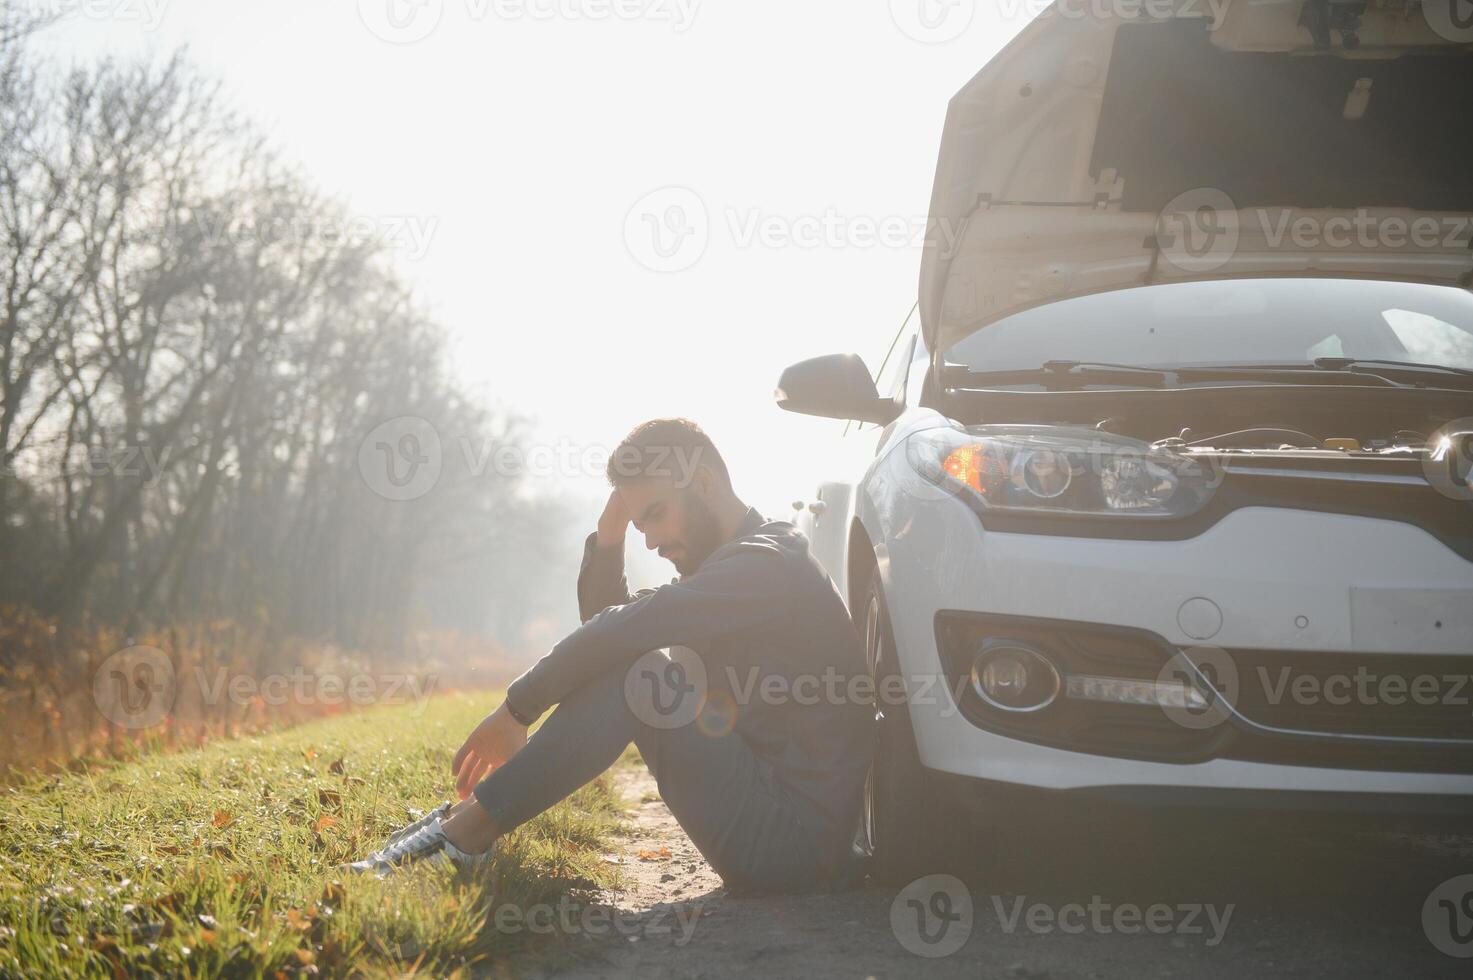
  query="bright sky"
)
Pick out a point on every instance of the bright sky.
point(516, 151)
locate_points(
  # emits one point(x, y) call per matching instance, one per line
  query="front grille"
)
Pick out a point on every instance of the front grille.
point(1383, 695)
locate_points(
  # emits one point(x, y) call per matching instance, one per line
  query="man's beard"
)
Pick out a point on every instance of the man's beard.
point(702, 533)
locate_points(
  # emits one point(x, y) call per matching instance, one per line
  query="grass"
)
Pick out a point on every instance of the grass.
point(219, 861)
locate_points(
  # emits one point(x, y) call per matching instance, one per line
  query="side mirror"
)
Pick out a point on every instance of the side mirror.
point(835, 386)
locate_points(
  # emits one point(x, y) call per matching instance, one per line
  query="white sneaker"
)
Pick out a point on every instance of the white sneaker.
point(424, 821)
point(428, 844)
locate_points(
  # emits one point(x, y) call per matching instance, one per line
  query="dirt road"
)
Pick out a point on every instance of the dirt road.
point(1244, 900)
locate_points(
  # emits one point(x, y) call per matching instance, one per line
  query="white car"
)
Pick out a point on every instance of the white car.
point(1171, 503)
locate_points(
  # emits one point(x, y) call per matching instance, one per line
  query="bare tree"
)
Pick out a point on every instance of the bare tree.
point(193, 353)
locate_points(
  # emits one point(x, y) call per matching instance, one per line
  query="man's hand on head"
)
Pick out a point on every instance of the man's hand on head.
point(614, 521)
point(494, 741)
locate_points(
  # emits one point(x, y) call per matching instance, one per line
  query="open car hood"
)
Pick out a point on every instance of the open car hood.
point(1239, 139)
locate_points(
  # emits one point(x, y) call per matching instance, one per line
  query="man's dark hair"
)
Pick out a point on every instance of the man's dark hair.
point(665, 448)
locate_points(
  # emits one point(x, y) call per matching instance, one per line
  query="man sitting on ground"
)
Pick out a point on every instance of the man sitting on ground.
point(766, 776)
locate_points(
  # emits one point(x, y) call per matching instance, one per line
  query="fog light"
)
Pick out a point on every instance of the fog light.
point(1014, 677)
point(1120, 690)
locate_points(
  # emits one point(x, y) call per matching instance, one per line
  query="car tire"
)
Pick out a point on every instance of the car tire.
point(912, 824)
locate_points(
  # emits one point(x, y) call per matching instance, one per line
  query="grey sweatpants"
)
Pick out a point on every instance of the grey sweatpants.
point(722, 793)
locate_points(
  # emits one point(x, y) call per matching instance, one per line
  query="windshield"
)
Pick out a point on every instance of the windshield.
point(1243, 321)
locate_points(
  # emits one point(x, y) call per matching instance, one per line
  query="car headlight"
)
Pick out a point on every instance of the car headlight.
point(1060, 470)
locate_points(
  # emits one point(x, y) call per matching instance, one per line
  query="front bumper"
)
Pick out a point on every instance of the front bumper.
point(994, 801)
point(1331, 588)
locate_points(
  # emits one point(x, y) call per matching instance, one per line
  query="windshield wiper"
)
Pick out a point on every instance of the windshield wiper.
point(1351, 363)
point(1059, 373)
point(1106, 367)
point(1179, 373)
point(1054, 372)
point(1062, 372)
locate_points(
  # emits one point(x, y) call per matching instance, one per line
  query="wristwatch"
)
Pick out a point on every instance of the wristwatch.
point(511, 710)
